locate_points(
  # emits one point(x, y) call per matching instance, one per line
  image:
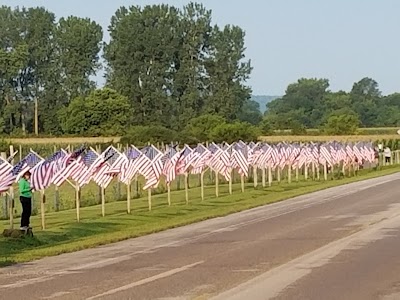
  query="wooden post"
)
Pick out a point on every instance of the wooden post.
point(187, 187)
point(169, 193)
point(136, 183)
point(42, 208)
point(278, 170)
point(202, 185)
point(289, 173)
point(11, 198)
point(325, 172)
point(230, 184)
point(297, 173)
point(216, 184)
point(128, 197)
point(305, 171)
point(242, 182)
point(56, 192)
point(103, 201)
point(313, 170)
point(263, 177)
point(20, 152)
point(255, 176)
point(78, 201)
point(149, 198)
point(269, 175)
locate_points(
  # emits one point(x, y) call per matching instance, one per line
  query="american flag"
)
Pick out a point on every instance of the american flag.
point(133, 162)
point(239, 157)
point(13, 175)
point(5, 180)
point(169, 161)
point(152, 167)
point(82, 169)
point(112, 159)
point(186, 159)
point(66, 166)
point(200, 163)
point(42, 173)
point(5, 168)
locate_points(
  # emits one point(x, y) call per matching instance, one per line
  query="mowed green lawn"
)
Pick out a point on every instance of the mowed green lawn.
point(64, 234)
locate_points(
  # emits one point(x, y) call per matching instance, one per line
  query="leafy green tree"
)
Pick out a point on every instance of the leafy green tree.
point(342, 124)
point(141, 135)
point(201, 128)
point(103, 112)
point(302, 104)
point(79, 43)
point(140, 59)
point(250, 113)
point(232, 132)
point(228, 72)
point(365, 96)
point(188, 86)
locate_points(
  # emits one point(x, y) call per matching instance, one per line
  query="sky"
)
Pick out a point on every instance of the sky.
point(341, 40)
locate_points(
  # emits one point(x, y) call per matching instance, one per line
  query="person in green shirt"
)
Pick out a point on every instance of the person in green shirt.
point(25, 196)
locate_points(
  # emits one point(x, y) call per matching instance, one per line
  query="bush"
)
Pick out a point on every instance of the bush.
point(345, 124)
point(232, 132)
point(299, 130)
point(141, 135)
point(4, 145)
point(201, 128)
point(266, 127)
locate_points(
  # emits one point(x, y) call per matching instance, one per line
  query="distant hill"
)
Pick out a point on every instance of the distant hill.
point(263, 100)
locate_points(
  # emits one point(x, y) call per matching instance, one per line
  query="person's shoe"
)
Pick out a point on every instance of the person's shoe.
point(23, 228)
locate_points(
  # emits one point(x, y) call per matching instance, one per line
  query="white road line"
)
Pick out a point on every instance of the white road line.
point(146, 280)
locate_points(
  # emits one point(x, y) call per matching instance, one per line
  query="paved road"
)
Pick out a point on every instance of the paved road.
point(341, 243)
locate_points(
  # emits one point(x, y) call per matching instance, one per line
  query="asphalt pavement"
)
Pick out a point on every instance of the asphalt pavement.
point(340, 243)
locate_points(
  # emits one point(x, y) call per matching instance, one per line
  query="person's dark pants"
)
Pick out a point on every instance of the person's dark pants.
point(26, 210)
point(387, 159)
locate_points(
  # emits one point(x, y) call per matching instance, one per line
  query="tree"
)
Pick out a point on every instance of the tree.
point(103, 112)
point(140, 59)
point(227, 73)
point(232, 132)
point(201, 128)
point(37, 30)
point(79, 44)
point(365, 96)
point(189, 83)
point(342, 124)
point(250, 112)
point(301, 104)
point(172, 62)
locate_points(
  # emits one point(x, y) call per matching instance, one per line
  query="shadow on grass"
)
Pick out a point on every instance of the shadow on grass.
point(11, 247)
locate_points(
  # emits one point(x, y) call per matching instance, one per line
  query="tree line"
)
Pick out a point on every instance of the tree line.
point(309, 103)
point(169, 71)
point(163, 65)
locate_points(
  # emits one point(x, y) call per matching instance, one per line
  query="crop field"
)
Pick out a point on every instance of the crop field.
point(326, 138)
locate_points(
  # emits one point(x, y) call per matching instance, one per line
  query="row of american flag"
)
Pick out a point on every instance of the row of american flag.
point(85, 164)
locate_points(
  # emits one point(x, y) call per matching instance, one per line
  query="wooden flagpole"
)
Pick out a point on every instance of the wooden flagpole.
point(149, 198)
point(187, 187)
point(128, 197)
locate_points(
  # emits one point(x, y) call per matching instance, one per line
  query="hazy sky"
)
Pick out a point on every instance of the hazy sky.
point(342, 40)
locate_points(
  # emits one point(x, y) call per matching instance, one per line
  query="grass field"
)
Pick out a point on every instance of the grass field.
point(65, 235)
